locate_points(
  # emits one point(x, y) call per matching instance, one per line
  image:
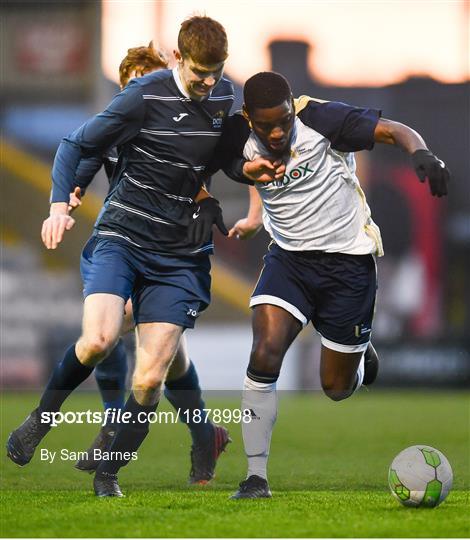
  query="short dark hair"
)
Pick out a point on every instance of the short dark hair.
point(203, 39)
point(265, 90)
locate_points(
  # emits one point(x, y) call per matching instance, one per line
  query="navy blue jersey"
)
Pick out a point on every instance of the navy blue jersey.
point(88, 168)
point(166, 141)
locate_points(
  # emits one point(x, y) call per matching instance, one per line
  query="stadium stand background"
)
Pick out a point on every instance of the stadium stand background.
point(52, 82)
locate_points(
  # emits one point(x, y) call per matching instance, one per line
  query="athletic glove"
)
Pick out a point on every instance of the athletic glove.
point(207, 214)
point(427, 165)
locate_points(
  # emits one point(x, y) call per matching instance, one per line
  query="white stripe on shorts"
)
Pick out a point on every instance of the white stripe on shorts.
point(275, 301)
point(361, 347)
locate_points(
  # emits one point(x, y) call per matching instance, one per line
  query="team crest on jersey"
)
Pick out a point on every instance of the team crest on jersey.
point(217, 119)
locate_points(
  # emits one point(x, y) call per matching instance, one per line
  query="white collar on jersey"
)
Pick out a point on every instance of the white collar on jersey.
point(180, 86)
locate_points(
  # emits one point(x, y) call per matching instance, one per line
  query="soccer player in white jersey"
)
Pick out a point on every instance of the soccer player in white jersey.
point(320, 265)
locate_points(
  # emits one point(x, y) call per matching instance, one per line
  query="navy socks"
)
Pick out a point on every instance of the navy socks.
point(67, 375)
point(129, 437)
point(185, 394)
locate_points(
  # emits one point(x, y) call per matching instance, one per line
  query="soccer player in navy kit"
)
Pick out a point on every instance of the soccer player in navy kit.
point(320, 265)
point(182, 384)
point(167, 125)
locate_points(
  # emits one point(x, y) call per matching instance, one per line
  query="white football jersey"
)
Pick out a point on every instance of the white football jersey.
point(319, 204)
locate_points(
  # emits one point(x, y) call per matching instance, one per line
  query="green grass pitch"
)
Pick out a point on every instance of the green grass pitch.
point(328, 473)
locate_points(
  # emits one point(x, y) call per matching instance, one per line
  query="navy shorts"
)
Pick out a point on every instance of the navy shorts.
point(333, 290)
point(163, 288)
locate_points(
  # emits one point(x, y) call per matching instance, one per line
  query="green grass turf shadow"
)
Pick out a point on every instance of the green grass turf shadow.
point(328, 473)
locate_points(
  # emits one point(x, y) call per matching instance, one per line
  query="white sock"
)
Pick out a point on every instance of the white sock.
point(261, 400)
point(360, 375)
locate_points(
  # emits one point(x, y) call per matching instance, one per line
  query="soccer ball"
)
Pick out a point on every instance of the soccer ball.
point(420, 476)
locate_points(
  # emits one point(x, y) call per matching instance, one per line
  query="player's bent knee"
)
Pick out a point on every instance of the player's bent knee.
point(149, 382)
point(97, 347)
point(335, 391)
point(336, 395)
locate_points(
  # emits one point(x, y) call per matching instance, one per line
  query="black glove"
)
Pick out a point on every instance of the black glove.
point(207, 214)
point(426, 164)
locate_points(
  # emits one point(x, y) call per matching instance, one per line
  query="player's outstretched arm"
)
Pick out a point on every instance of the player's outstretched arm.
point(248, 226)
point(56, 224)
point(425, 163)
